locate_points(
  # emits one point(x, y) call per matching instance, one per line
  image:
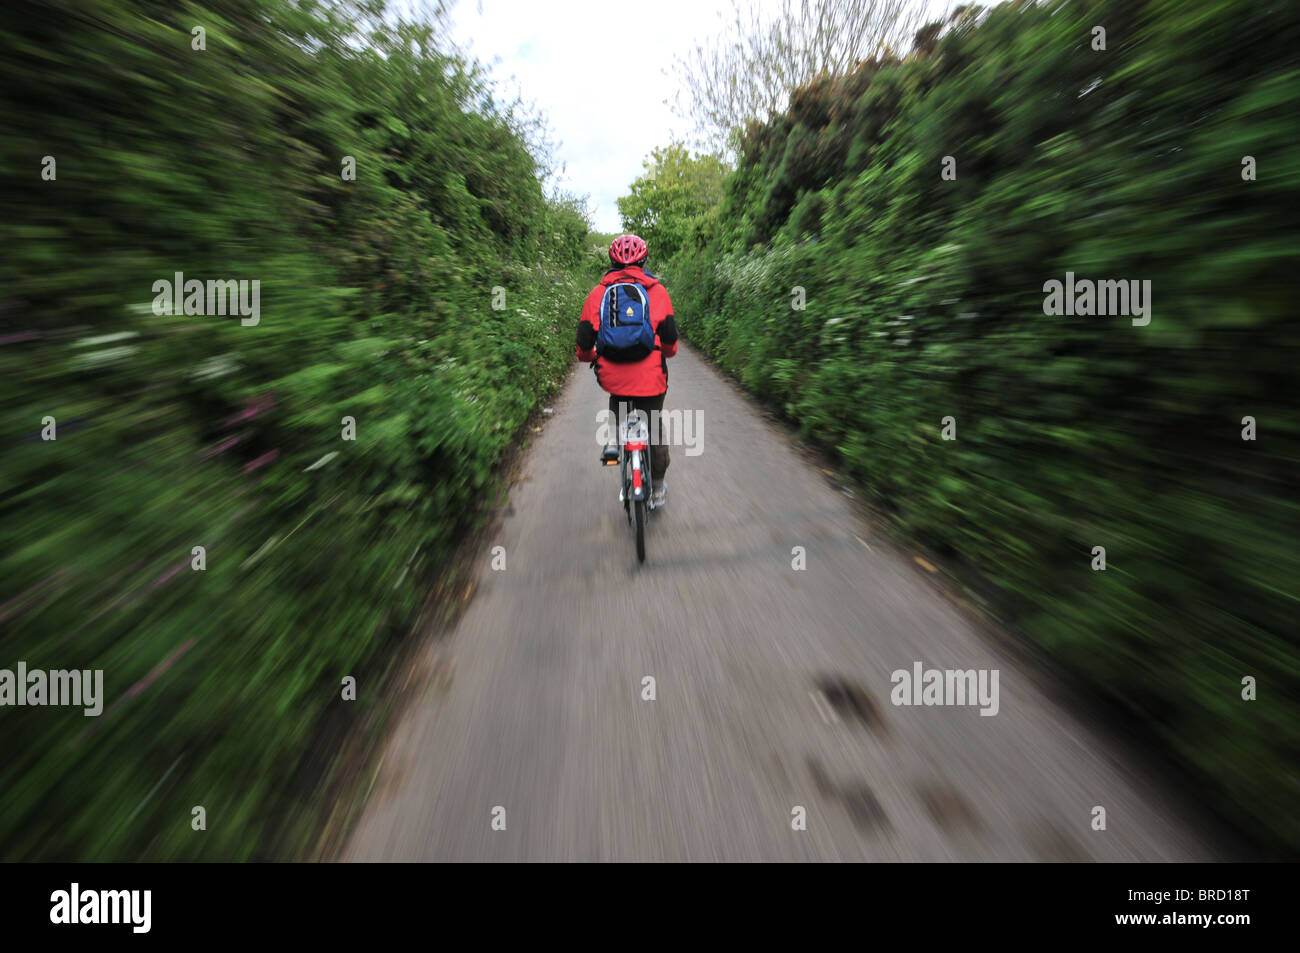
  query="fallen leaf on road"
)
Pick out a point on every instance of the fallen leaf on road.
point(924, 564)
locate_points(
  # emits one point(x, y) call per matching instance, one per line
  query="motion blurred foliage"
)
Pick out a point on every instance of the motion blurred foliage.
point(925, 299)
point(176, 432)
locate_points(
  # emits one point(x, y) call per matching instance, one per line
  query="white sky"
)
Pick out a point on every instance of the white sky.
point(569, 58)
point(565, 55)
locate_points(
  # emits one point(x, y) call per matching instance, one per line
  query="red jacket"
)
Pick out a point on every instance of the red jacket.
point(647, 377)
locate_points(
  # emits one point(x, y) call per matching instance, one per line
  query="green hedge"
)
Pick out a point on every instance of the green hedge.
point(925, 300)
point(179, 431)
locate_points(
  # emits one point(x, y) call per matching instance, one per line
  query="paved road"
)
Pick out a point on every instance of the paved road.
point(772, 685)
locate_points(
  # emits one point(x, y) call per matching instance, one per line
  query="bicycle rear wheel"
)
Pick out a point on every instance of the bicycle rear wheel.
point(639, 507)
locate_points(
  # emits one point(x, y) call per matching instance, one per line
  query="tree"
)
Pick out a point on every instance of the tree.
point(676, 188)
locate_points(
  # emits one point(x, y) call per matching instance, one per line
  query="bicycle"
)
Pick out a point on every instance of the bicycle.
point(632, 456)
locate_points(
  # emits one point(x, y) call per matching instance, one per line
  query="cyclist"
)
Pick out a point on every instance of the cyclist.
point(639, 384)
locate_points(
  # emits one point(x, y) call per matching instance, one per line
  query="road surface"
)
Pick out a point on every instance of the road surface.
point(772, 685)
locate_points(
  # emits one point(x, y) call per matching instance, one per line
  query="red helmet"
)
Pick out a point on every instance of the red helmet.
point(627, 250)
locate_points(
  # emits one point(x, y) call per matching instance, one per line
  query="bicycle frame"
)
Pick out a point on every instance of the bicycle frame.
point(634, 461)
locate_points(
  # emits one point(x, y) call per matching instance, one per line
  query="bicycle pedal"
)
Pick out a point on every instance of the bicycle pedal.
point(609, 457)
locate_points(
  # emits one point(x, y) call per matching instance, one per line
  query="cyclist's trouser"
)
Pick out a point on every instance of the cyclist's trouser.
point(658, 449)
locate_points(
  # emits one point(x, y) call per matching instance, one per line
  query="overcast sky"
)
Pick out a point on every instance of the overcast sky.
point(572, 58)
point(605, 107)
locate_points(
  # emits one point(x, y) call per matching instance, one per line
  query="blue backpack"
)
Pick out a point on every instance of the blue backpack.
point(626, 333)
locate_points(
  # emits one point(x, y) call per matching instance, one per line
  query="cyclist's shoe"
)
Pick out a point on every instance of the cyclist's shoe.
point(609, 456)
point(659, 496)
